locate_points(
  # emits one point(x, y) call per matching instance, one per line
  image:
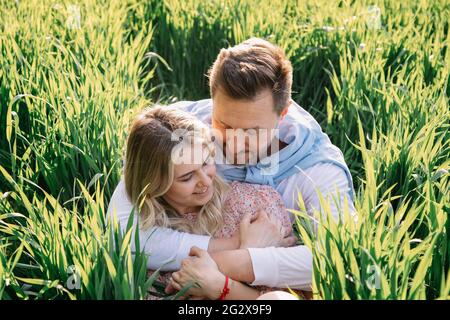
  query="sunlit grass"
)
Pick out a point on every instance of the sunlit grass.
point(69, 85)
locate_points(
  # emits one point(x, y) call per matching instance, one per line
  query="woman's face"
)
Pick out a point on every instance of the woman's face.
point(192, 186)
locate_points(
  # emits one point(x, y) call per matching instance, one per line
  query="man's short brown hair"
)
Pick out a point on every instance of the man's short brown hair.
point(246, 69)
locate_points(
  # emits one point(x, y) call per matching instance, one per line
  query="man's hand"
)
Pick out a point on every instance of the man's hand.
point(264, 231)
point(200, 269)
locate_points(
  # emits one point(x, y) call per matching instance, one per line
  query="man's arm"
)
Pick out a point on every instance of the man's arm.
point(273, 267)
point(237, 264)
point(331, 182)
point(289, 267)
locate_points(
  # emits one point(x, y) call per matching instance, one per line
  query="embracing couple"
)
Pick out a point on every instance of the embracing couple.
point(213, 181)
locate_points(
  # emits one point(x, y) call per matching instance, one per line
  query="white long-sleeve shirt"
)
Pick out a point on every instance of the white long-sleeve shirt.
point(274, 267)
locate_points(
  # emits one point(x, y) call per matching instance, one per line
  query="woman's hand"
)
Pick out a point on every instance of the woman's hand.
point(263, 232)
point(201, 270)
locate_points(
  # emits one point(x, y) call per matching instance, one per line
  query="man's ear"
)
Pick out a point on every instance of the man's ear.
point(285, 110)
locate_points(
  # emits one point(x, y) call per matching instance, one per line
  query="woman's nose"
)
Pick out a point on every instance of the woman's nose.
point(205, 179)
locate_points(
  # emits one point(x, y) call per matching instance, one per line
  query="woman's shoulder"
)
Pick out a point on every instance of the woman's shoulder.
point(120, 203)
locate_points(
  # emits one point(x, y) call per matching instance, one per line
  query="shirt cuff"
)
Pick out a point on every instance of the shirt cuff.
point(190, 240)
point(265, 266)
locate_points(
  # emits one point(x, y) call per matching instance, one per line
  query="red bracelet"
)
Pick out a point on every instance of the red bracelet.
point(225, 290)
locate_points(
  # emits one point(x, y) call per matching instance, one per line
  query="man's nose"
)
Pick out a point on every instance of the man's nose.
point(240, 143)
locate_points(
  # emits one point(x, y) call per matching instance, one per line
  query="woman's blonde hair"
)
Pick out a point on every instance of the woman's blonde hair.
point(149, 170)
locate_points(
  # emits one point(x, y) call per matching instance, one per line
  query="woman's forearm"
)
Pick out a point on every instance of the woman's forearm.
point(221, 244)
point(240, 291)
point(236, 264)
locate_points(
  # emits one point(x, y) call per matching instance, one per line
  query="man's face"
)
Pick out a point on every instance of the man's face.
point(245, 128)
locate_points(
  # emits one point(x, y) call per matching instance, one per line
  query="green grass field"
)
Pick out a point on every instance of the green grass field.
point(376, 74)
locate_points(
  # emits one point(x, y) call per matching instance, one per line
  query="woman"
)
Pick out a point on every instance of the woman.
point(170, 176)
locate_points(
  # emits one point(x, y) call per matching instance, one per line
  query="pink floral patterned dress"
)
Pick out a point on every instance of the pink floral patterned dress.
point(243, 198)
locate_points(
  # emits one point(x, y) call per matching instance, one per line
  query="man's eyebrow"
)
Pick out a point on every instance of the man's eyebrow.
point(246, 129)
point(226, 125)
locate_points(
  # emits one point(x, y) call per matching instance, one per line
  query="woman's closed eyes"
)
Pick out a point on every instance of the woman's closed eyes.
point(187, 177)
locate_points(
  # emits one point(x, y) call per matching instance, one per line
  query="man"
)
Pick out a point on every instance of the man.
point(250, 87)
